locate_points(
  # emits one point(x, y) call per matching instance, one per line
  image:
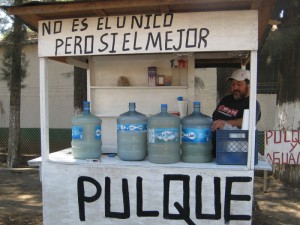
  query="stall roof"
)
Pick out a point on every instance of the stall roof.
point(34, 11)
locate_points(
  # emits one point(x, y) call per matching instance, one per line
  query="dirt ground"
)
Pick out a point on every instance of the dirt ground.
point(20, 196)
point(21, 201)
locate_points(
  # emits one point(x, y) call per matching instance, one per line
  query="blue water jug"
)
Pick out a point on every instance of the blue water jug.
point(163, 137)
point(132, 134)
point(86, 135)
point(196, 137)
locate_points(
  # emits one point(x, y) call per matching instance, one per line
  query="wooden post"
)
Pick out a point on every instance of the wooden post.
point(44, 109)
point(265, 185)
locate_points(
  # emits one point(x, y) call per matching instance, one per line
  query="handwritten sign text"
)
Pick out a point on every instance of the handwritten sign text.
point(283, 147)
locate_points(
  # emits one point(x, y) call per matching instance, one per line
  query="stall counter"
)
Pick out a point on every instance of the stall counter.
point(65, 157)
point(112, 191)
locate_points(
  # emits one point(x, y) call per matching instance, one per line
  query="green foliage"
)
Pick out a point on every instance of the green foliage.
point(7, 64)
point(5, 20)
point(3, 24)
point(281, 42)
point(9, 48)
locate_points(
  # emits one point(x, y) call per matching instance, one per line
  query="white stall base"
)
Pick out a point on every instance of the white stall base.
point(71, 187)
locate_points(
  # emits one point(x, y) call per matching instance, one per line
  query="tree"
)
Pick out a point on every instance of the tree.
point(14, 71)
point(8, 54)
point(14, 54)
point(80, 88)
point(282, 49)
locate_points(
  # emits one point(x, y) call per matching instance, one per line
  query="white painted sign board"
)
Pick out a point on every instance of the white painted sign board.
point(283, 146)
point(108, 194)
point(149, 33)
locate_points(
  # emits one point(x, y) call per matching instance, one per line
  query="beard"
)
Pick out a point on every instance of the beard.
point(237, 95)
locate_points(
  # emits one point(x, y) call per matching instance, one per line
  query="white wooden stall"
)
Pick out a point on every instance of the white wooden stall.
point(111, 191)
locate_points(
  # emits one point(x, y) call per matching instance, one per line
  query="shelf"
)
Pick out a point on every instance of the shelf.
point(139, 87)
point(106, 116)
point(65, 157)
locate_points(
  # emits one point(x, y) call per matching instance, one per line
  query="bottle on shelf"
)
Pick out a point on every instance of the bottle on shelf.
point(196, 137)
point(163, 137)
point(132, 135)
point(86, 135)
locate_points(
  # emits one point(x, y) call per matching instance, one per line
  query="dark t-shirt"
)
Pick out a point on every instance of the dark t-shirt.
point(230, 109)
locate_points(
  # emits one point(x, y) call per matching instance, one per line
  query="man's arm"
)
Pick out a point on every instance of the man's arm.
point(219, 124)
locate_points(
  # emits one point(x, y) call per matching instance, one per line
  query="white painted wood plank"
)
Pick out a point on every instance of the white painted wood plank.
point(180, 32)
point(44, 105)
point(65, 157)
point(62, 194)
point(252, 110)
point(148, 101)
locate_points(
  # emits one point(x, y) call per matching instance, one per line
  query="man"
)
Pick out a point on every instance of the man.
point(230, 110)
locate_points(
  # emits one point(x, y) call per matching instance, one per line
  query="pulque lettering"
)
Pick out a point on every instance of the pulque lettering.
point(183, 210)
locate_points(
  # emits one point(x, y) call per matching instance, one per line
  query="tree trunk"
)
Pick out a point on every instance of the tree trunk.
point(80, 89)
point(289, 110)
point(15, 97)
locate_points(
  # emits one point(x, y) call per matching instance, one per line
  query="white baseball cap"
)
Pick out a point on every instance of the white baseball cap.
point(240, 75)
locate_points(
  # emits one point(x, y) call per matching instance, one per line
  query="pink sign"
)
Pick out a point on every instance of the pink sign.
point(283, 147)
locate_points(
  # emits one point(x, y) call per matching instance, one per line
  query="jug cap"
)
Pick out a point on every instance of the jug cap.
point(86, 105)
point(165, 106)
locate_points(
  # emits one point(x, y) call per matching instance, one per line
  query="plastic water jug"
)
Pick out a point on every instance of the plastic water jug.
point(163, 137)
point(132, 135)
point(86, 135)
point(196, 137)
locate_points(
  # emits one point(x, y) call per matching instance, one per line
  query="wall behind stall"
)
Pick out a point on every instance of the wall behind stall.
point(60, 105)
point(60, 93)
point(206, 89)
point(4, 97)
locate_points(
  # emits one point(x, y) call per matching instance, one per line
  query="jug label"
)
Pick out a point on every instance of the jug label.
point(162, 135)
point(196, 135)
point(77, 132)
point(98, 132)
point(132, 127)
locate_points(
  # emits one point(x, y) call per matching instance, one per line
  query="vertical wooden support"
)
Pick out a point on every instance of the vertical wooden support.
point(44, 107)
point(252, 110)
point(265, 181)
point(88, 79)
point(191, 83)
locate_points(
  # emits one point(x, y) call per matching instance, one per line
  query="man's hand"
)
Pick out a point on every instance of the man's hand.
point(218, 124)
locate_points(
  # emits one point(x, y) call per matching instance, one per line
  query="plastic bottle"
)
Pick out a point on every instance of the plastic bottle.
point(196, 137)
point(132, 135)
point(86, 135)
point(163, 137)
